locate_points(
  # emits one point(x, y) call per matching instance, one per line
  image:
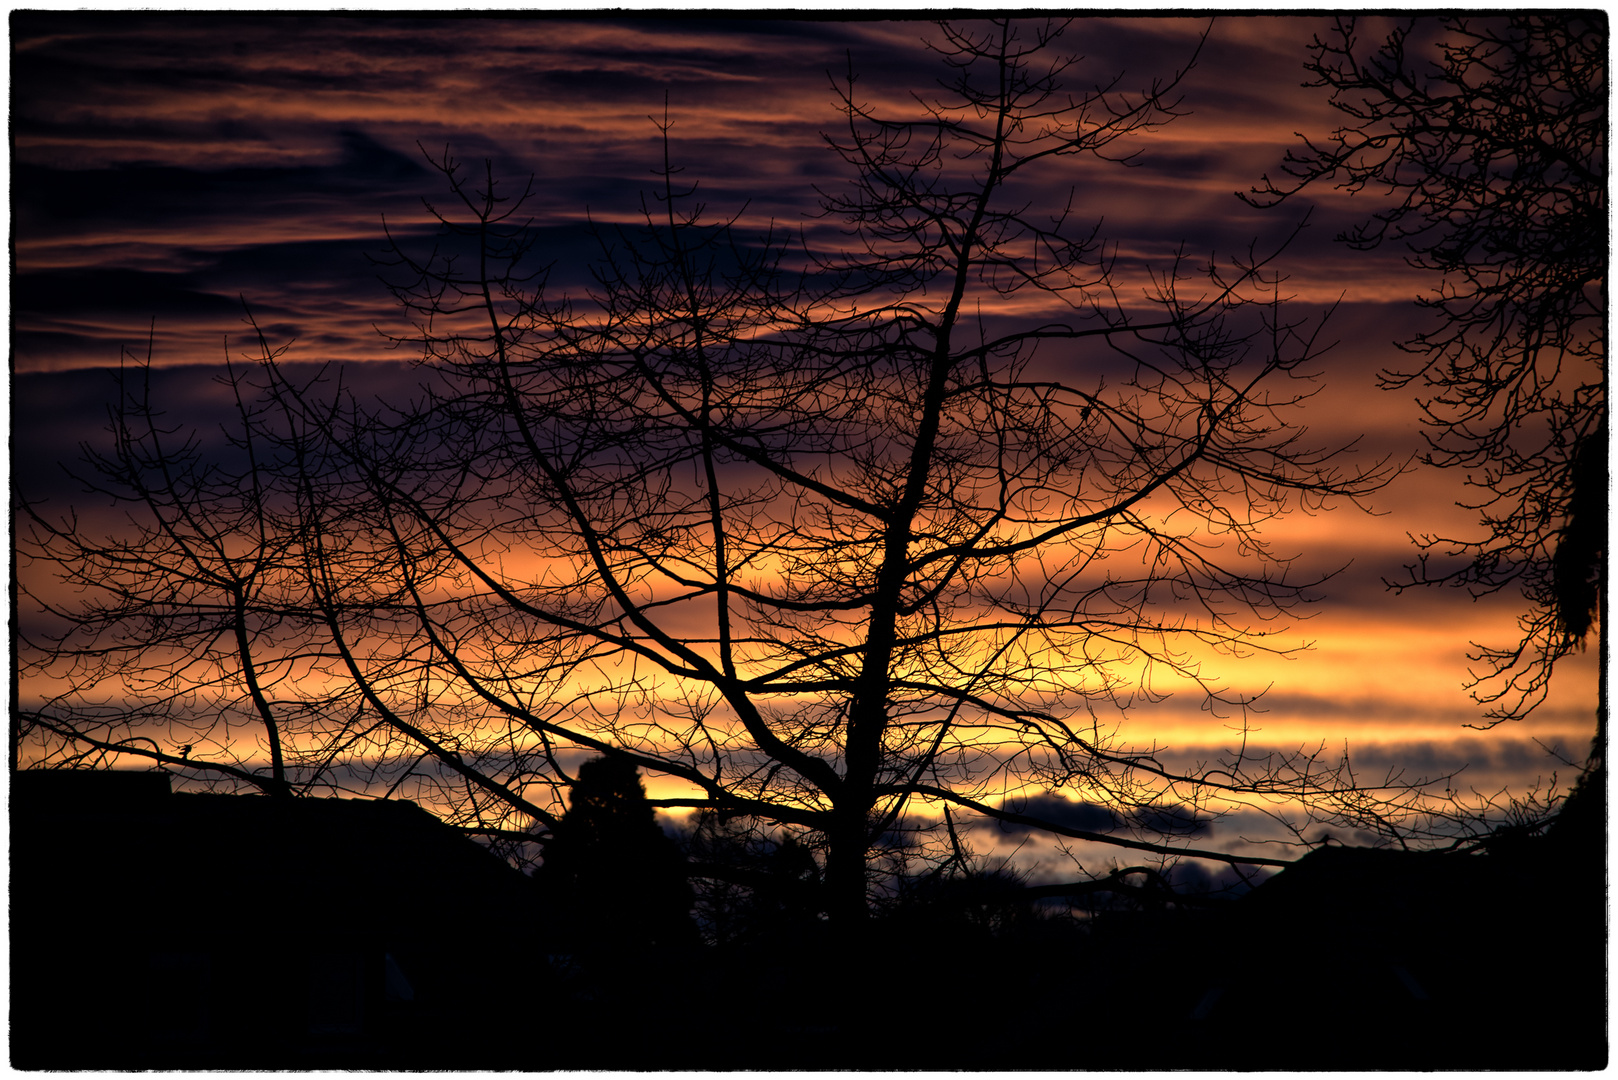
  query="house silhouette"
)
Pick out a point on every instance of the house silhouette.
point(1366, 959)
point(155, 929)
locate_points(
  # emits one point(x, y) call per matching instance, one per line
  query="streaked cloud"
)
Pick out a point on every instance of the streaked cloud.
point(170, 169)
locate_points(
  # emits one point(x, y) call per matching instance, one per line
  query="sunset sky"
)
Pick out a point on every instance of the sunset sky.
point(167, 168)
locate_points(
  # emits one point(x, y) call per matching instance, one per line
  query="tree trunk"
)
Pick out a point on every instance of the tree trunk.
point(845, 873)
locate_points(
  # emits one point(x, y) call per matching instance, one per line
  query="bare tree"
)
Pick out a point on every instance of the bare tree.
point(1488, 136)
point(191, 634)
point(834, 540)
point(177, 634)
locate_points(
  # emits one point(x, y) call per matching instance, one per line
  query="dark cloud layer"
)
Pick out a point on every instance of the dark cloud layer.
point(140, 133)
point(1092, 817)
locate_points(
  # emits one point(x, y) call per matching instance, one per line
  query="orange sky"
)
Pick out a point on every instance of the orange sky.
point(162, 166)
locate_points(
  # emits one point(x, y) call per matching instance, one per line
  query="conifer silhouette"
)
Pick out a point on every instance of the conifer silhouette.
point(611, 878)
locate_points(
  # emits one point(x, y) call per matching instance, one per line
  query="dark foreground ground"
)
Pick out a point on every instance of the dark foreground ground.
point(151, 930)
point(1352, 960)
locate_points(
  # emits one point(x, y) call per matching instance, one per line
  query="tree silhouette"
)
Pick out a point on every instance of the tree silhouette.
point(611, 875)
point(186, 603)
point(1488, 137)
point(203, 614)
point(830, 536)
